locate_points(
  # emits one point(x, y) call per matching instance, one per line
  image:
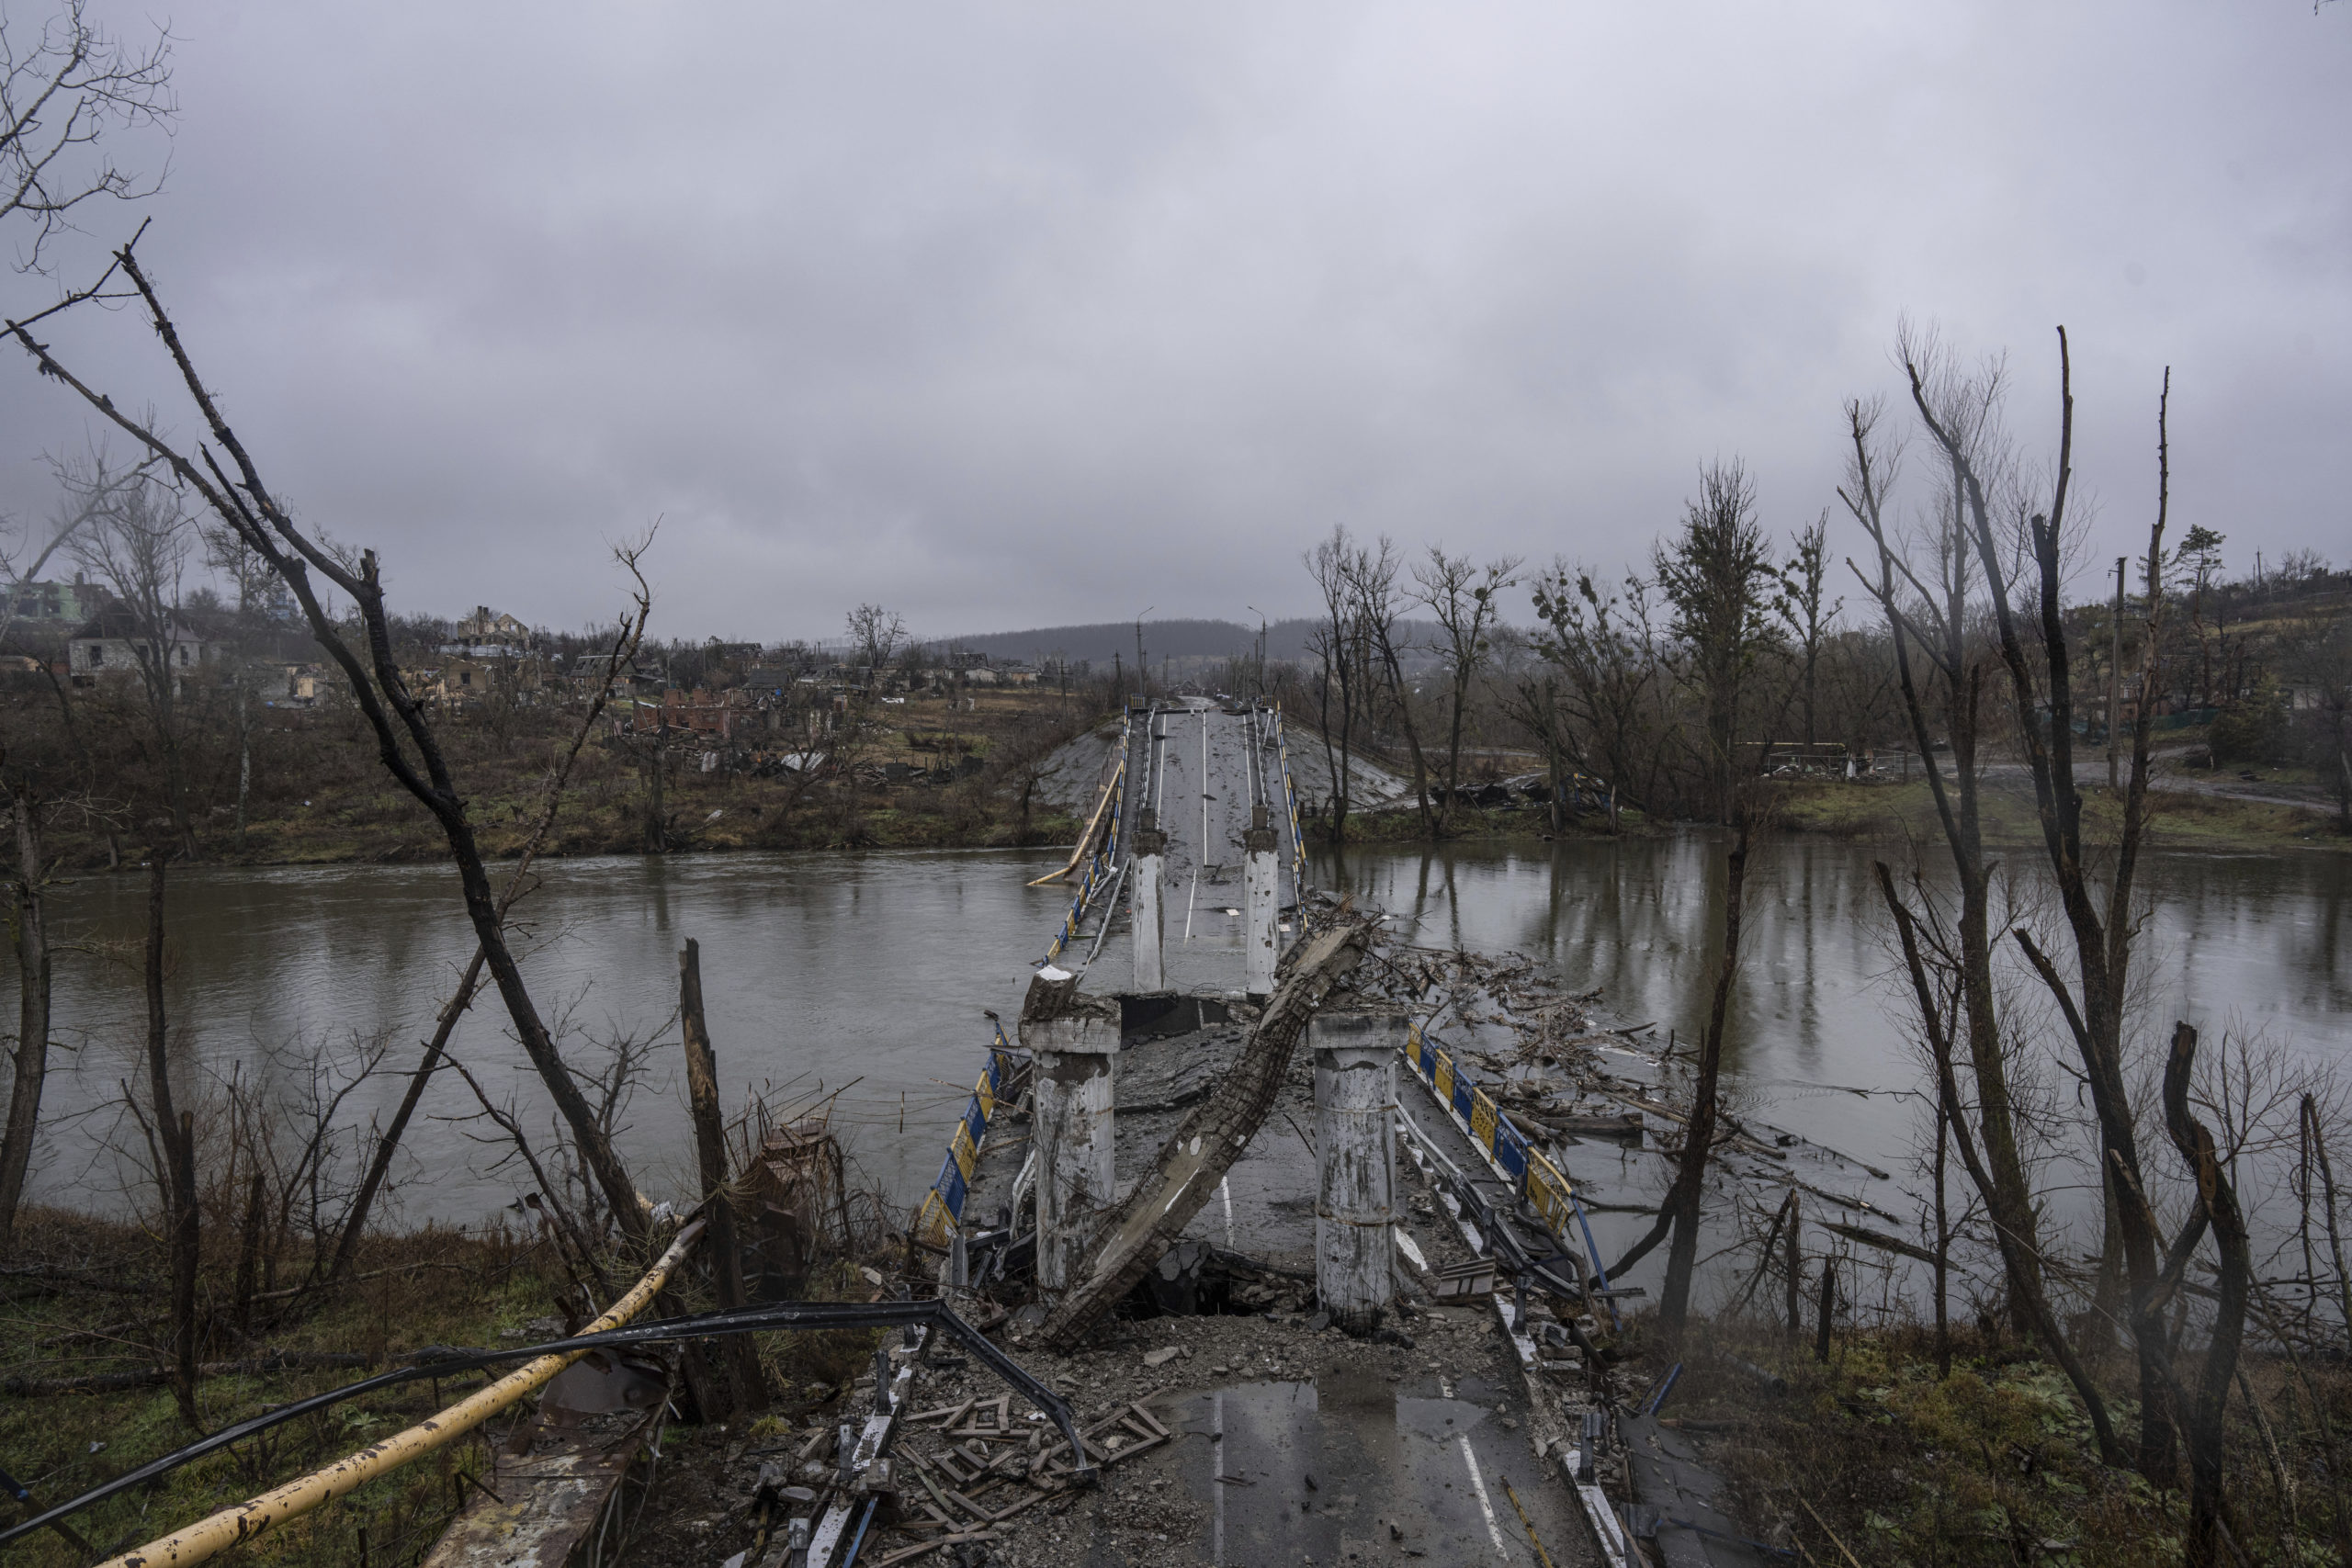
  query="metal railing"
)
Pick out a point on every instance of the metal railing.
point(1290, 805)
point(943, 1206)
point(1104, 862)
point(1533, 1180)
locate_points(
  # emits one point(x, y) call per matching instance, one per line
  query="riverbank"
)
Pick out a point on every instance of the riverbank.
point(704, 812)
point(914, 773)
point(2184, 818)
point(87, 1304)
point(86, 1301)
point(1876, 1456)
point(721, 814)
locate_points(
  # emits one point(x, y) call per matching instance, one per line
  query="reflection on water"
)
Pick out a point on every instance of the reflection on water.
point(834, 967)
point(876, 968)
point(2257, 940)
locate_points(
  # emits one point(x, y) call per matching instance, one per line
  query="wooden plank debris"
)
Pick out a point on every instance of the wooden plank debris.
point(535, 1510)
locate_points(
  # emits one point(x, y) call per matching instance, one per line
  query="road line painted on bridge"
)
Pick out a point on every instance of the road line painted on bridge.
point(1225, 1191)
point(1479, 1484)
point(1201, 856)
point(1216, 1479)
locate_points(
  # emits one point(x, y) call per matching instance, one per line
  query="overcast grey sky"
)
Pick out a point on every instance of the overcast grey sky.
point(1005, 315)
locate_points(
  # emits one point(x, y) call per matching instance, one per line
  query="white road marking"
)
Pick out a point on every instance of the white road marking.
point(1203, 854)
point(1479, 1484)
point(1217, 1487)
point(1225, 1191)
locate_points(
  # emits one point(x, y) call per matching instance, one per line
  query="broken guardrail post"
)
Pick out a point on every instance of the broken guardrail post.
point(1073, 1042)
point(1151, 871)
point(1356, 1114)
point(1262, 906)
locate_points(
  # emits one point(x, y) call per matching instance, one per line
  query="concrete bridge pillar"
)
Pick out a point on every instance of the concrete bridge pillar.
point(1262, 936)
point(1150, 872)
point(1073, 1043)
point(1355, 1141)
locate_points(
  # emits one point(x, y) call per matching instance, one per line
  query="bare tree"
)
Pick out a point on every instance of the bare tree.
point(1928, 613)
point(2039, 663)
point(1342, 671)
point(406, 742)
point(139, 546)
point(1714, 575)
point(1373, 580)
point(248, 575)
point(875, 635)
point(1988, 606)
point(627, 638)
point(1799, 607)
point(1531, 699)
point(65, 83)
point(77, 506)
point(1606, 649)
point(1466, 601)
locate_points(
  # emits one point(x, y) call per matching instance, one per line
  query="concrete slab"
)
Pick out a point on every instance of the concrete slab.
point(1201, 769)
point(1355, 1467)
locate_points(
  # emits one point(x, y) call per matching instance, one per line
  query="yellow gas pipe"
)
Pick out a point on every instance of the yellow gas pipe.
point(248, 1519)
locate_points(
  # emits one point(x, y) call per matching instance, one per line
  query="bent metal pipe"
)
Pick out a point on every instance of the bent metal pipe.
point(772, 1316)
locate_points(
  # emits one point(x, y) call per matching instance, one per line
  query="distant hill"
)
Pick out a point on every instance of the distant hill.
point(1096, 643)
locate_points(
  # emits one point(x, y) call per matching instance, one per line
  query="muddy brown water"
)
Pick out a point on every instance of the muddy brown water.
point(869, 972)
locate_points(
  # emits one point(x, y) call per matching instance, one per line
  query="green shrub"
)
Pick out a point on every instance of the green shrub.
point(2251, 730)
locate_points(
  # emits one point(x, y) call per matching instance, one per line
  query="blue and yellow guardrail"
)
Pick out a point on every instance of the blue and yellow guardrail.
point(1534, 1177)
point(943, 1206)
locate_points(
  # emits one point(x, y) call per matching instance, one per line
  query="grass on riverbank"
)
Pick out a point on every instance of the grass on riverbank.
point(2183, 819)
point(319, 795)
point(1474, 824)
point(84, 1297)
point(1994, 1464)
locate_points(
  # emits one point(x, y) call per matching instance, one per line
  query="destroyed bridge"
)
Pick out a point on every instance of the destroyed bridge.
point(1226, 1263)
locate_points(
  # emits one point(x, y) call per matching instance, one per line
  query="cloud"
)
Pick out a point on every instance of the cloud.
point(1005, 315)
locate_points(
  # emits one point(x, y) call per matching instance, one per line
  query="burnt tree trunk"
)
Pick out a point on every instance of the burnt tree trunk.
point(749, 1390)
point(1689, 1185)
point(379, 1164)
point(176, 1131)
point(30, 937)
point(2206, 1428)
point(2025, 1283)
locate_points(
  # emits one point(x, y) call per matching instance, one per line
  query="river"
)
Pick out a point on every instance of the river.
point(869, 972)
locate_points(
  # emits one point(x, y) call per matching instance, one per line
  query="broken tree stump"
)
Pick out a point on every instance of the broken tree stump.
point(748, 1390)
point(1208, 1141)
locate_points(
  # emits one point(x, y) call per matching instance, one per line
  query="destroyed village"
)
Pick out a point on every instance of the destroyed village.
point(1043, 788)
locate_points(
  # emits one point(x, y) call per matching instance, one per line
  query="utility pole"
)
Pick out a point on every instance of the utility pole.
point(1143, 670)
point(2115, 678)
point(1262, 649)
